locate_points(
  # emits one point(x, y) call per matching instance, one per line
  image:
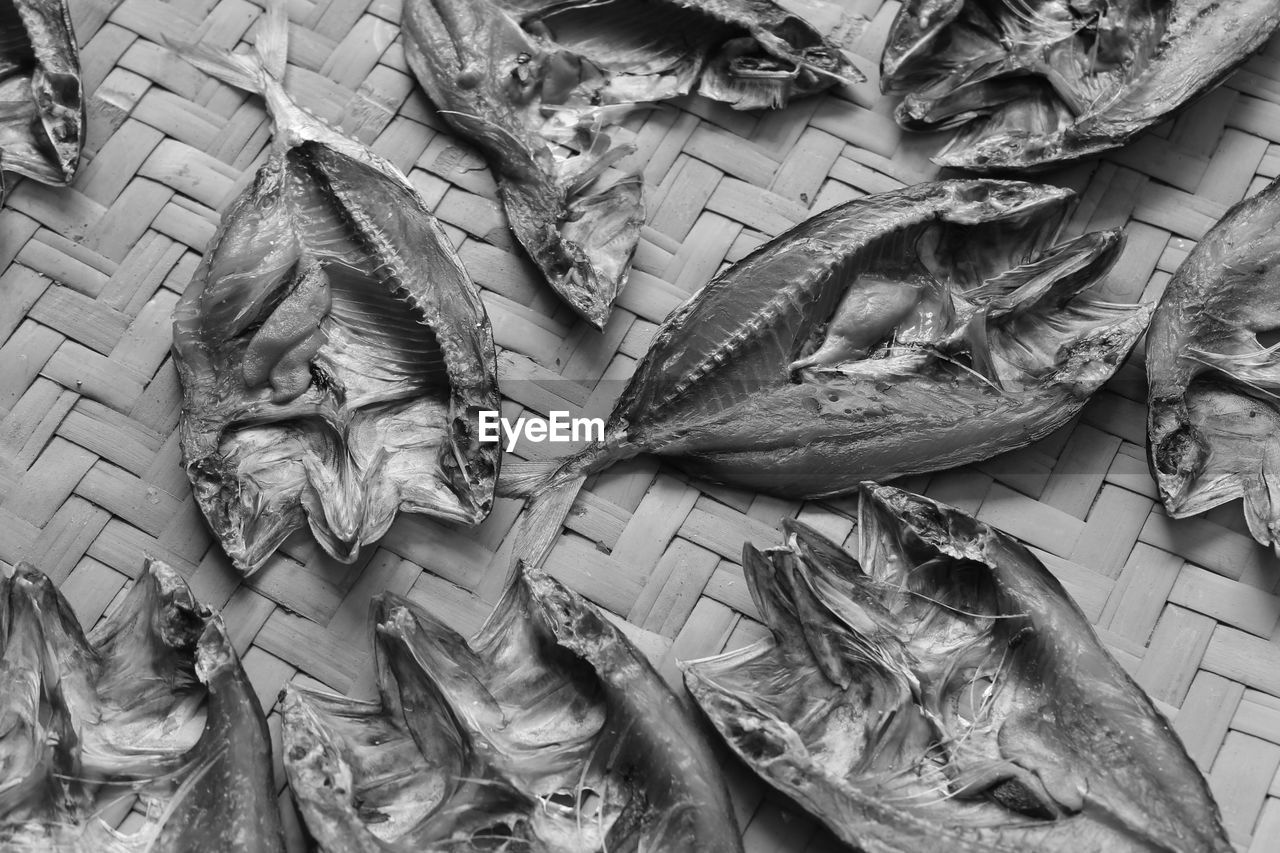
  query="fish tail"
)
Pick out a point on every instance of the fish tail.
point(253, 72)
point(521, 478)
point(542, 521)
point(551, 485)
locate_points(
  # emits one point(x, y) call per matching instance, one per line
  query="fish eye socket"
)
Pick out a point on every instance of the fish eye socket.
point(1180, 452)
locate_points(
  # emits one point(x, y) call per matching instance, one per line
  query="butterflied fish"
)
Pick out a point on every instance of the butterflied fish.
point(900, 333)
point(1033, 82)
point(1213, 372)
point(41, 98)
point(937, 689)
point(535, 86)
point(334, 354)
point(152, 709)
point(547, 733)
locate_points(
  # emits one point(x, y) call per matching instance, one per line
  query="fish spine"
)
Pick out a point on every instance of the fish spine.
point(738, 340)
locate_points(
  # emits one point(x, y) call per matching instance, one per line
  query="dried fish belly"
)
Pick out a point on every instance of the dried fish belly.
point(1034, 83)
point(904, 332)
point(41, 98)
point(151, 709)
point(1213, 373)
point(547, 731)
point(334, 354)
point(938, 689)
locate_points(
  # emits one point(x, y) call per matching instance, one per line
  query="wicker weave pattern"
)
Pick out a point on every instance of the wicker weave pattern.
point(89, 465)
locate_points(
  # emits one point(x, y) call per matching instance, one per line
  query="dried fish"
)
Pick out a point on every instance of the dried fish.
point(900, 333)
point(153, 704)
point(536, 85)
point(41, 98)
point(1035, 82)
point(939, 690)
point(548, 732)
point(334, 354)
point(1213, 372)
point(750, 54)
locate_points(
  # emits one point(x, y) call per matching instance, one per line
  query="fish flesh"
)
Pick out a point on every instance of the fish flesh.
point(1213, 372)
point(536, 86)
point(896, 334)
point(41, 96)
point(334, 354)
point(151, 709)
point(1030, 83)
point(547, 732)
point(937, 689)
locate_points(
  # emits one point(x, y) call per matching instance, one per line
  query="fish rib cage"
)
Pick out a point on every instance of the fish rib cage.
point(90, 466)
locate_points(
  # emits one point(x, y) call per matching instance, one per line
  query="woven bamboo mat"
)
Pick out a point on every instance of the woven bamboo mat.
point(89, 465)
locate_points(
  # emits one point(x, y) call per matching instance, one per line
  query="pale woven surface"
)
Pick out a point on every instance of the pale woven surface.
point(89, 466)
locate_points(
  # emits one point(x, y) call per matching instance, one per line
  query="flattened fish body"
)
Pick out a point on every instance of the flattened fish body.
point(1033, 84)
point(334, 354)
point(897, 334)
point(1214, 384)
point(547, 732)
point(937, 686)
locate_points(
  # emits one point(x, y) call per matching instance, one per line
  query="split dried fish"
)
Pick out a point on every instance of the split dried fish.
point(41, 98)
point(900, 333)
point(536, 86)
point(547, 733)
point(939, 690)
point(334, 354)
point(151, 709)
point(1035, 82)
point(1213, 372)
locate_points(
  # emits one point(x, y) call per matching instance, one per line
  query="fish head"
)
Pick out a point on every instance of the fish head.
point(937, 685)
point(911, 37)
point(485, 74)
point(1213, 378)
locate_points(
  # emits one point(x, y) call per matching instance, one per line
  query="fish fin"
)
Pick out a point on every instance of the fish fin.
point(235, 69)
point(272, 45)
point(1262, 505)
point(1258, 369)
point(522, 478)
point(542, 521)
point(254, 72)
